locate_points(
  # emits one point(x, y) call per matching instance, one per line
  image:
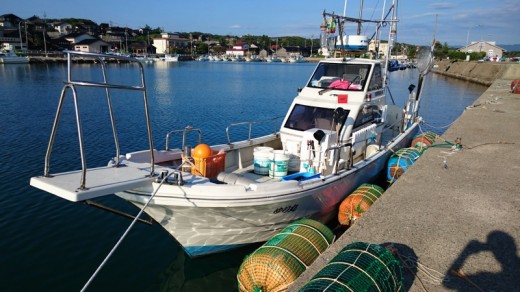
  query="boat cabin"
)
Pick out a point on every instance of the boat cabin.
point(343, 102)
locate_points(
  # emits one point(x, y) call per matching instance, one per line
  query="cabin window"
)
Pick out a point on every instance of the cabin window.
point(331, 75)
point(305, 117)
point(369, 114)
point(376, 82)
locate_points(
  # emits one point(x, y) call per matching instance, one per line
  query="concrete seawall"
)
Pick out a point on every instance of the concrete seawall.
point(484, 73)
point(455, 210)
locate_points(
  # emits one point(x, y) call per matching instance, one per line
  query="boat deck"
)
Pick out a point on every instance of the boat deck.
point(249, 173)
point(99, 181)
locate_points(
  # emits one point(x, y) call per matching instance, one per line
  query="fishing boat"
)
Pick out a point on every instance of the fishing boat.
point(273, 59)
point(145, 59)
point(170, 58)
point(215, 198)
point(9, 57)
point(297, 59)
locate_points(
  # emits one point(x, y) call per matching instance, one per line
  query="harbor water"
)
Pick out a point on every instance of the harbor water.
point(48, 243)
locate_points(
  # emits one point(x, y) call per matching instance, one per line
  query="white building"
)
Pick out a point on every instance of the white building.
point(239, 49)
point(63, 28)
point(167, 42)
point(382, 50)
point(490, 48)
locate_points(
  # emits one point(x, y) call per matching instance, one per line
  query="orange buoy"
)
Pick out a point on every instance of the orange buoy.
point(515, 86)
point(358, 203)
point(202, 151)
point(424, 140)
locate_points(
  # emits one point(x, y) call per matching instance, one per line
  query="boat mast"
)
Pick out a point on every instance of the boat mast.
point(391, 38)
point(360, 17)
point(377, 34)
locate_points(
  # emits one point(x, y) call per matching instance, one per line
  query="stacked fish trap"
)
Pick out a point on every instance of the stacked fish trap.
point(277, 263)
point(358, 203)
point(359, 266)
point(424, 140)
point(400, 161)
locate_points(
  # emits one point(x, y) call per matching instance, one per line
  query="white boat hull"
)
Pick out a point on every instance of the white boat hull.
point(14, 60)
point(169, 58)
point(213, 218)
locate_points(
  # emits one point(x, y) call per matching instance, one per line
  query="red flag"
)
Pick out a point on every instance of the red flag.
point(342, 98)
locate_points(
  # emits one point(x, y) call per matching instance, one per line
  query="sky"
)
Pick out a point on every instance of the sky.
point(459, 22)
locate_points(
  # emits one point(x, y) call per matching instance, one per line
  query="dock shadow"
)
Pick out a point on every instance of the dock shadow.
point(406, 255)
point(504, 249)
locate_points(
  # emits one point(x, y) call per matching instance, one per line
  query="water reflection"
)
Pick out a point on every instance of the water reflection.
point(210, 273)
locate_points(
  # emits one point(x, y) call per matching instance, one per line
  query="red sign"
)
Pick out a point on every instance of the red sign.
point(342, 98)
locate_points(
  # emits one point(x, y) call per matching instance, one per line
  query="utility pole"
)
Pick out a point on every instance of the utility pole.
point(126, 39)
point(20, 32)
point(312, 36)
point(26, 39)
point(45, 32)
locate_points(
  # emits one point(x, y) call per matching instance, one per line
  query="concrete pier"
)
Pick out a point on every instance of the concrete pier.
point(455, 211)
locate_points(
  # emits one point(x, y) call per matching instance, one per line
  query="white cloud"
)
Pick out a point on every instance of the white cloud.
point(442, 5)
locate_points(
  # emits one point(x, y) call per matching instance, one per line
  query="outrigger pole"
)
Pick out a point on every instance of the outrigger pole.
point(424, 68)
point(340, 22)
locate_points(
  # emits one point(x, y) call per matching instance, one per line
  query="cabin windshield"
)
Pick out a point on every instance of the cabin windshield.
point(305, 117)
point(341, 76)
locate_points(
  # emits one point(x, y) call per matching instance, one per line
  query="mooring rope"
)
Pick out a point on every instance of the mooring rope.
point(125, 233)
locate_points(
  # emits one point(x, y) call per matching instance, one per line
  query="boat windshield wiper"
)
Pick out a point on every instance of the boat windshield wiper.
point(321, 92)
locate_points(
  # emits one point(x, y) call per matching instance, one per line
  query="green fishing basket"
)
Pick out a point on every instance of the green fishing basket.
point(277, 263)
point(359, 266)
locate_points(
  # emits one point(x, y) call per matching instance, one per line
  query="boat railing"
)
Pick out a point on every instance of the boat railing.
point(184, 132)
point(71, 83)
point(363, 136)
point(335, 150)
point(274, 121)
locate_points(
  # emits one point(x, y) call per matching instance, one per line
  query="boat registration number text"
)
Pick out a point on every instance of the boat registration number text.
point(286, 209)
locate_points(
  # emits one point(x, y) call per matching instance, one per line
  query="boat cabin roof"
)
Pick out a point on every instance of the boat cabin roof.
point(342, 74)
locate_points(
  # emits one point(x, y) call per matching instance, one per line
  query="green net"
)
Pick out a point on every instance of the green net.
point(424, 140)
point(358, 203)
point(372, 189)
point(277, 263)
point(359, 267)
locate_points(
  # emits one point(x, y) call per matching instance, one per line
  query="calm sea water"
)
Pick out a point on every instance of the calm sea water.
point(47, 243)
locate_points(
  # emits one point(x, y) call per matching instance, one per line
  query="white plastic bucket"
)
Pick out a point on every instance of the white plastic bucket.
point(279, 164)
point(262, 160)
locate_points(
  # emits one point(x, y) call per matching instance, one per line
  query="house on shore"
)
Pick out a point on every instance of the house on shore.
point(490, 48)
point(9, 33)
point(379, 47)
point(167, 43)
point(238, 49)
point(92, 45)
